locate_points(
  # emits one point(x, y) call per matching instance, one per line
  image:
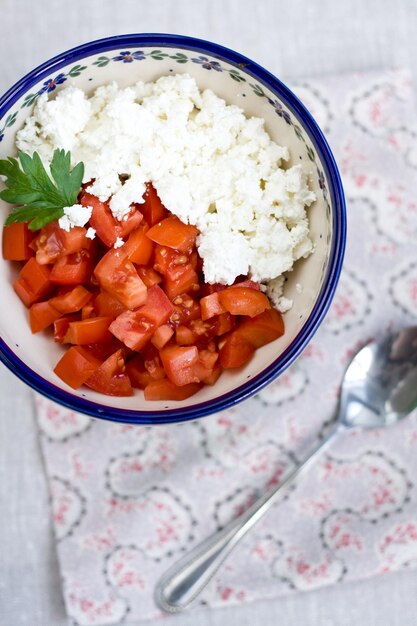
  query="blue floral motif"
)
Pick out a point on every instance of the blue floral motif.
point(321, 180)
point(51, 84)
point(1, 135)
point(207, 64)
point(129, 57)
point(280, 111)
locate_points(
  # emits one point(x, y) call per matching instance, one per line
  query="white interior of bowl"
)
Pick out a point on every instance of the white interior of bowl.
point(39, 352)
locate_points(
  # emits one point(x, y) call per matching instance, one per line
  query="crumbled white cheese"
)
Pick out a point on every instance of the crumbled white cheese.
point(118, 243)
point(274, 290)
point(75, 215)
point(211, 166)
point(91, 233)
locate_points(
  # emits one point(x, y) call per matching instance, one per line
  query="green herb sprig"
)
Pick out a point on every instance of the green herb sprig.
point(41, 198)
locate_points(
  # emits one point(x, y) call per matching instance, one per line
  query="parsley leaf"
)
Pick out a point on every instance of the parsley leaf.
point(40, 197)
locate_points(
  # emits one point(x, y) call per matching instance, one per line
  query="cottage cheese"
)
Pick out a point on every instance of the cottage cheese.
point(75, 215)
point(211, 166)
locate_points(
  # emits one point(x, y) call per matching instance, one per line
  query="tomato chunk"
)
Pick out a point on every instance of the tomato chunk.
point(211, 306)
point(33, 282)
point(152, 208)
point(166, 390)
point(71, 301)
point(107, 227)
point(117, 275)
point(157, 308)
point(179, 364)
point(111, 378)
point(243, 301)
point(162, 335)
point(61, 326)
point(173, 233)
point(53, 242)
point(262, 329)
point(42, 315)
point(76, 366)
point(180, 280)
point(235, 352)
point(152, 363)
point(72, 269)
point(138, 248)
point(137, 372)
point(92, 330)
point(106, 304)
point(16, 240)
point(149, 276)
point(133, 329)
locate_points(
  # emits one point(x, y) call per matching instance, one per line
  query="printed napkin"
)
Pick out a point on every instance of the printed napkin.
point(128, 501)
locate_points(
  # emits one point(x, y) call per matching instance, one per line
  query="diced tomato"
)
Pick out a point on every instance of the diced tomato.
point(53, 242)
point(111, 378)
point(184, 336)
point(93, 330)
point(235, 352)
point(42, 315)
point(152, 209)
point(179, 364)
point(73, 269)
point(167, 259)
point(106, 304)
point(107, 227)
point(16, 240)
point(211, 306)
point(87, 311)
point(33, 282)
point(214, 375)
point(152, 363)
point(76, 366)
point(243, 301)
point(138, 374)
point(72, 301)
point(149, 276)
point(224, 323)
point(185, 309)
point(61, 326)
point(166, 390)
point(182, 279)
point(103, 350)
point(133, 329)
point(157, 308)
point(173, 233)
point(162, 335)
point(117, 275)
point(262, 329)
point(138, 248)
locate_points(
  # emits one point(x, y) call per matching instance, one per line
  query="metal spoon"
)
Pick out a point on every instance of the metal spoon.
point(379, 388)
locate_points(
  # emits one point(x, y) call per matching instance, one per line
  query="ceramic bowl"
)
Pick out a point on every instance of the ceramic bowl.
point(127, 59)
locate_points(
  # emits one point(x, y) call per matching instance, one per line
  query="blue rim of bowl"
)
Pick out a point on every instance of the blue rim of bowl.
point(249, 388)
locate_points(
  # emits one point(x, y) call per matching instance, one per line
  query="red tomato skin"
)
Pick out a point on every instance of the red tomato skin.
point(262, 329)
point(179, 364)
point(111, 378)
point(72, 301)
point(117, 275)
point(16, 240)
point(166, 390)
point(42, 315)
point(93, 330)
point(173, 233)
point(152, 208)
point(235, 352)
point(243, 301)
point(76, 366)
point(132, 329)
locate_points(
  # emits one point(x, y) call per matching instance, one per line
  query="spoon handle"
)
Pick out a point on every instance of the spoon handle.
point(182, 583)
